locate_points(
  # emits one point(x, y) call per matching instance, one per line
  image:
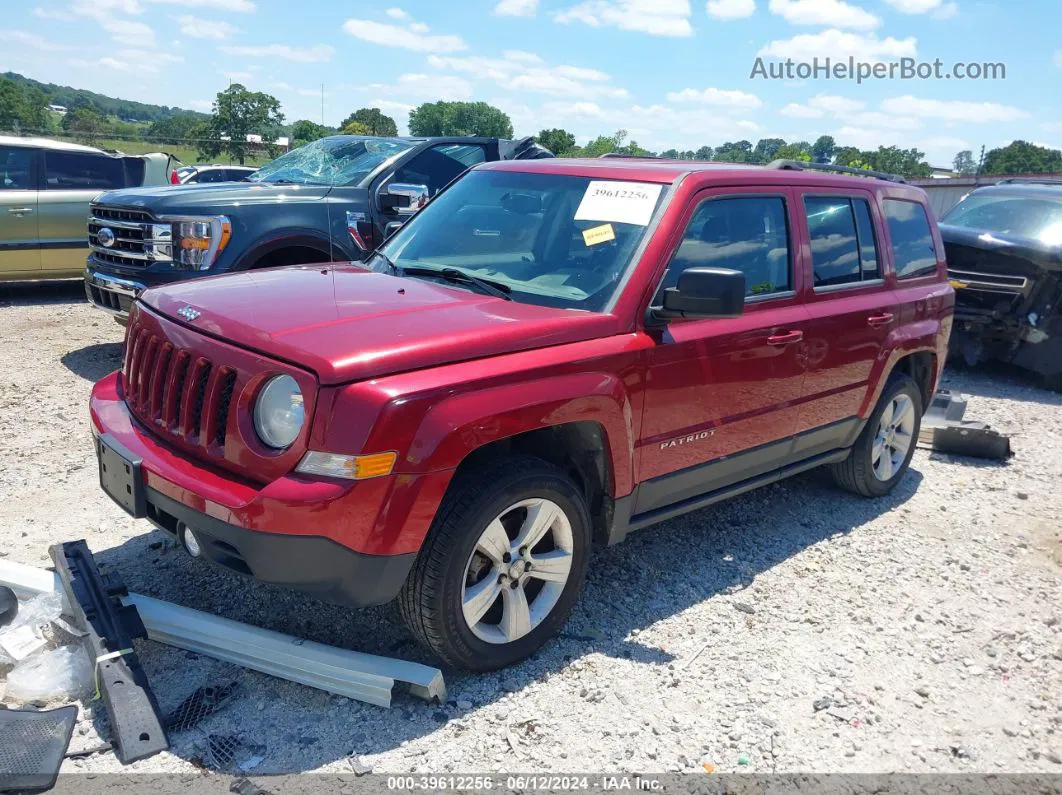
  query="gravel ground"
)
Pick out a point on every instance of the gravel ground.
point(793, 629)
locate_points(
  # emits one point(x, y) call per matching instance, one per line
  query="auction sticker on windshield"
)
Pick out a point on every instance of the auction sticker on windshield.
point(619, 202)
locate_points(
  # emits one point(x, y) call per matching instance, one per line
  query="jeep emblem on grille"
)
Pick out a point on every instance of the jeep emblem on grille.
point(188, 313)
point(106, 237)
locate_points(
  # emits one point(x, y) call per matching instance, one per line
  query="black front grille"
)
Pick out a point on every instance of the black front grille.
point(118, 214)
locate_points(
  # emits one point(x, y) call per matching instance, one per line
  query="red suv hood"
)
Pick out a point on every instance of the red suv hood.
point(348, 324)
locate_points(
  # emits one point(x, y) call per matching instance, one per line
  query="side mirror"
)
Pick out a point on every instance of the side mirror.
point(522, 203)
point(404, 198)
point(704, 293)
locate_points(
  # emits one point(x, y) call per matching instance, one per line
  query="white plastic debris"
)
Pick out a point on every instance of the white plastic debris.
point(25, 635)
point(57, 675)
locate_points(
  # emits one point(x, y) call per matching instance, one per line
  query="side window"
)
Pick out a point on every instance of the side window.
point(438, 166)
point(16, 168)
point(748, 234)
point(81, 171)
point(912, 239)
point(213, 175)
point(843, 249)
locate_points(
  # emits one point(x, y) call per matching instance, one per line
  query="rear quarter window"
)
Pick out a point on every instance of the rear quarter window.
point(914, 252)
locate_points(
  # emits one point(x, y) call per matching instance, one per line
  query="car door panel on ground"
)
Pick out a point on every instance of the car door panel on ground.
point(850, 302)
point(71, 181)
point(19, 239)
point(719, 387)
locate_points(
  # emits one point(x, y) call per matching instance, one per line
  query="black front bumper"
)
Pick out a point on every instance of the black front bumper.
point(312, 564)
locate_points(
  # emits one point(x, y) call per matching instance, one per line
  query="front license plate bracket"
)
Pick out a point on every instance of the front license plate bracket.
point(121, 476)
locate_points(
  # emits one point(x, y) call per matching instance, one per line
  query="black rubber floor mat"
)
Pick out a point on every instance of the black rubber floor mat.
point(32, 745)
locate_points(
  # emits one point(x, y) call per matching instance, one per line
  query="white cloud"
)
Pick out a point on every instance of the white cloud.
point(112, 17)
point(237, 77)
point(1052, 127)
point(399, 14)
point(717, 98)
point(953, 111)
point(823, 104)
point(521, 71)
point(731, 9)
point(656, 17)
point(318, 53)
point(835, 13)
point(395, 36)
point(516, 8)
point(47, 13)
point(418, 27)
point(1058, 58)
point(200, 104)
point(422, 86)
point(884, 121)
point(33, 41)
point(204, 28)
point(127, 31)
point(838, 45)
point(131, 61)
point(242, 6)
point(915, 6)
point(946, 11)
point(796, 111)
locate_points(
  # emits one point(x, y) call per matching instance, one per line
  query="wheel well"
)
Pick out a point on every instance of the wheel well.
point(291, 255)
point(579, 448)
point(920, 366)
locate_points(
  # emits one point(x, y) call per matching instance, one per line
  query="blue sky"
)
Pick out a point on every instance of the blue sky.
point(674, 73)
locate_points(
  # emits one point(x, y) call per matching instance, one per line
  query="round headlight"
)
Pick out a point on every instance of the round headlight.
point(279, 412)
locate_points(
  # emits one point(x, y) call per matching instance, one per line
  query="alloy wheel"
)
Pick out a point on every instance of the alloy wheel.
point(518, 570)
point(894, 438)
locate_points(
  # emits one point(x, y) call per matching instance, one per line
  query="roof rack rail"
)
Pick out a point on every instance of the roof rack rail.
point(800, 165)
point(626, 156)
point(1045, 180)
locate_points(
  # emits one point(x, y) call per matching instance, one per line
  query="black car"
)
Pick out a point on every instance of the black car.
point(186, 175)
point(335, 199)
point(1004, 250)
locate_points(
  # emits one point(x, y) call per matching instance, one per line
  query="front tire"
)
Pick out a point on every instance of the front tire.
point(502, 566)
point(882, 454)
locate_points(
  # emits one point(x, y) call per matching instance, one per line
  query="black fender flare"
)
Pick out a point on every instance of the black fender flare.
point(264, 247)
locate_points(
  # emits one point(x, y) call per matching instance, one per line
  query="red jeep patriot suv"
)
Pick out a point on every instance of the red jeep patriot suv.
point(550, 355)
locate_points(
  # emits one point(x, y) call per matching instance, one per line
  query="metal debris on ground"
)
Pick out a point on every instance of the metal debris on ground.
point(201, 703)
point(221, 750)
point(945, 431)
point(8, 606)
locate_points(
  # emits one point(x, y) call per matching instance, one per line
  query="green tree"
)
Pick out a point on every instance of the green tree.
point(846, 156)
point(177, 129)
point(459, 118)
point(892, 159)
point(823, 149)
point(558, 141)
point(705, 153)
point(355, 128)
point(1022, 157)
point(964, 163)
point(671, 154)
point(304, 131)
point(374, 121)
point(616, 143)
point(237, 114)
point(734, 152)
point(798, 150)
point(766, 150)
point(22, 107)
point(85, 122)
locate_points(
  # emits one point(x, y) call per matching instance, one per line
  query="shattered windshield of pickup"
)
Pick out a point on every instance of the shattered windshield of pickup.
point(338, 160)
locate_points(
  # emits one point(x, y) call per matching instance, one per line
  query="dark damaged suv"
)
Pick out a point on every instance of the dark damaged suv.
point(1004, 249)
point(335, 199)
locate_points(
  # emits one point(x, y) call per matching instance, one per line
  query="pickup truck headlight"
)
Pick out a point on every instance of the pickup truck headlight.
point(197, 241)
point(279, 412)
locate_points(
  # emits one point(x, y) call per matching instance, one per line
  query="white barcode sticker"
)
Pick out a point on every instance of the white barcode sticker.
point(619, 202)
point(21, 642)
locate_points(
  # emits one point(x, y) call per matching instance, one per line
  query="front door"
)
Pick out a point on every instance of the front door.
point(20, 255)
point(721, 401)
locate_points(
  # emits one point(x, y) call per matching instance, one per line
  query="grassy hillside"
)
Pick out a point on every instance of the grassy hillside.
point(108, 106)
point(187, 155)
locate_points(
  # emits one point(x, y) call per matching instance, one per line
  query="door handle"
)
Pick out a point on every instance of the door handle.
point(20, 210)
point(785, 338)
point(877, 321)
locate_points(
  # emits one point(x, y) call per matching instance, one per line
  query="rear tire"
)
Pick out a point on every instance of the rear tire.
point(882, 454)
point(477, 596)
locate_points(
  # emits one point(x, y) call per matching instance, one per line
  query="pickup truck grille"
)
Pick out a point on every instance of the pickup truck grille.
point(131, 238)
point(178, 391)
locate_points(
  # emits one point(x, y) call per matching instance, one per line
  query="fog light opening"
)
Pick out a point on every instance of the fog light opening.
point(189, 541)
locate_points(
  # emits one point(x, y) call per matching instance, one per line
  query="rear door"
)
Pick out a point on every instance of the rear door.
point(852, 310)
point(20, 255)
point(71, 181)
point(721, 401)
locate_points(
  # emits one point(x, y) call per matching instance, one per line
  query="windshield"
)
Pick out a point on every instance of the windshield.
point(553, 240)
point(339, 160)
point(1031, 218)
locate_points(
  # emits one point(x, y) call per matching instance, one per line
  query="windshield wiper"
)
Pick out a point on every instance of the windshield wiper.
point(497, 289)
